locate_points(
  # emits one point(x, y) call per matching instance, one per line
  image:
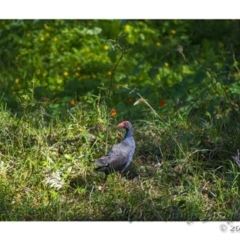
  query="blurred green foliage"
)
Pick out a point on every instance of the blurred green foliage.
point(183, 63)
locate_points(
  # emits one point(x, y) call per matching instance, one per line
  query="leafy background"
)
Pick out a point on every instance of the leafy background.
point(60, 59)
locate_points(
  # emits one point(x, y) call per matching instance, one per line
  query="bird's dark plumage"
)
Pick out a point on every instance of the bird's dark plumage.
point(120, 156)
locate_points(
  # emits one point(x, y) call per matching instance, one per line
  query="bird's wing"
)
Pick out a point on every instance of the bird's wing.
point(117, 156)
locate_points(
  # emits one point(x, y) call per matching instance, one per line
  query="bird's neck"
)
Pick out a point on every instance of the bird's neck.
point(128, 134)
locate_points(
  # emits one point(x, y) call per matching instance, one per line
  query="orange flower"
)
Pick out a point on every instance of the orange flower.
point(113, 113)
point(129, 99)
point(44, 99)
point(72, 102)
point(162, 102)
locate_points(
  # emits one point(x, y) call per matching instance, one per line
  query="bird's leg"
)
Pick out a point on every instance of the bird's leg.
point(102, 188)
point(120, 178)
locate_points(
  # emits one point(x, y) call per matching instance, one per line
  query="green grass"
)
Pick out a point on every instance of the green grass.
point(47, 165)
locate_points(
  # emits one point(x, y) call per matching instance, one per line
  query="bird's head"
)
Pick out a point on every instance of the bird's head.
point(125, 124)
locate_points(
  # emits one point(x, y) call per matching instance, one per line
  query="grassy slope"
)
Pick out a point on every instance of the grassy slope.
point(47, 167)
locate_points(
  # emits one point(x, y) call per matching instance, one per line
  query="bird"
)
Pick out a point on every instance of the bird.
point(120, 156)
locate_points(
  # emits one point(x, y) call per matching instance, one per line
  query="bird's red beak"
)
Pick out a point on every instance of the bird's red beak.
point(122, 124)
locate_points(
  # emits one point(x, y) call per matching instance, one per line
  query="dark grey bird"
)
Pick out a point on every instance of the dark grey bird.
point(120, 156)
